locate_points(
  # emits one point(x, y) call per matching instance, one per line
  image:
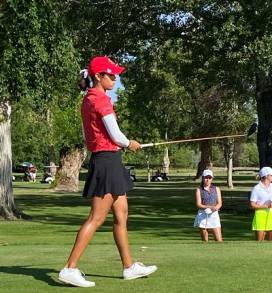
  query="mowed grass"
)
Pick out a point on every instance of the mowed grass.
point(160, 230)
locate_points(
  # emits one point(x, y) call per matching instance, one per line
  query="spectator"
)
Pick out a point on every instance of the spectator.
point(260, 201)
point(208, 200)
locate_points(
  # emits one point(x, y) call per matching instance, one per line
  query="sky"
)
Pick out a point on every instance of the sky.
point(112, 93)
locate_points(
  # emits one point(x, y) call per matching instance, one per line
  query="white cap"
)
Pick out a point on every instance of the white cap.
point(265, 171)
point(207, 173)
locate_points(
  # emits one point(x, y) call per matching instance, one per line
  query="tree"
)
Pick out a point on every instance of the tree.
point(232, 41)
point(219, 112)
point(67, 137)
point(8, 209)
point(37, 60)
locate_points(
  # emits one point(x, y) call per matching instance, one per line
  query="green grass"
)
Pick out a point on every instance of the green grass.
point(160, 230)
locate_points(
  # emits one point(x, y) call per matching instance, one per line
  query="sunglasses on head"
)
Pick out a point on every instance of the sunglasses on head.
point(208, 177)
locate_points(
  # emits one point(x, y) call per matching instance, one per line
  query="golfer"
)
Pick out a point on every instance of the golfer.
point(261, 202)
point(209, 201)
point(108, 181)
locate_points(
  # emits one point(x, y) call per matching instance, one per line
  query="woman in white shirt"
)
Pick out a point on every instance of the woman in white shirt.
point(261, 202)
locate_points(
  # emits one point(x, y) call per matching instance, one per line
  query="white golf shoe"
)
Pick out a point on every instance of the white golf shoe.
point(74, 277)
point(138, 270)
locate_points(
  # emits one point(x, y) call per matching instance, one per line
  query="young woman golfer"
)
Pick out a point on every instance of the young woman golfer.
point(208, 200)
point(108, 181)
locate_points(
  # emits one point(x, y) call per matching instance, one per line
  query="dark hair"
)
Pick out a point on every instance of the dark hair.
point(84, 83)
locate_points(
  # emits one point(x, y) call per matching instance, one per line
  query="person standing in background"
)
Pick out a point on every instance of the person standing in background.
point(261, 202)
point(209, 201)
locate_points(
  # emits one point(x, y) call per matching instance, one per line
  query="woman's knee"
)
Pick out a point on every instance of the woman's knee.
point(121, 218)
point(96, 220)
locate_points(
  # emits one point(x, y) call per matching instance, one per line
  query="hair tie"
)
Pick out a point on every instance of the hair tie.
point(84, 73)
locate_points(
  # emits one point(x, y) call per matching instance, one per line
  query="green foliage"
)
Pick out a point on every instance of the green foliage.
point(183, 157)
point(156, 99)
point(191, 65)
point(30, 133)
point(117, 28)
point(66, 128)
point(218, 159)
point(180, 157)
point(249, 155)
point(39, 68)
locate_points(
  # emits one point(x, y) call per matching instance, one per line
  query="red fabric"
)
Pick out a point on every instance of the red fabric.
point(96, 105)
point(104, 64)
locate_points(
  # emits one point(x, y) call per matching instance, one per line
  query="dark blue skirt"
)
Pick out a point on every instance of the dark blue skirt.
point(107, 174)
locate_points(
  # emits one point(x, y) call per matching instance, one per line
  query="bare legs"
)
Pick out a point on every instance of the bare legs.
point(204, 235)
point(216, 233)
point(120, 212)
point(97, 216)
point(260, 235)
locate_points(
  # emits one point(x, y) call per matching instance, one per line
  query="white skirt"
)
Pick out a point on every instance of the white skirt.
point(203, 220)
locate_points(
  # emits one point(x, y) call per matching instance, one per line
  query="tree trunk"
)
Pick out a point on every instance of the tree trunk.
point(264, 110)
point(52, 160)
point(237, 153)
point(52, 157)
point(228, 154)
point(165, 162)
point(206, 158)
point(8, 209)
point(68, 173)
point(148, 168)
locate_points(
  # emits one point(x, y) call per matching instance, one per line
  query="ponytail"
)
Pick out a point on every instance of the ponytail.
point(84, 82)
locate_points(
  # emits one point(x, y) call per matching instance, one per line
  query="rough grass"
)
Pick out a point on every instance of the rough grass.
point(160, 224)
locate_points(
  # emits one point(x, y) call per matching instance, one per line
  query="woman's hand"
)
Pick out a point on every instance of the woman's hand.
point(134, 145)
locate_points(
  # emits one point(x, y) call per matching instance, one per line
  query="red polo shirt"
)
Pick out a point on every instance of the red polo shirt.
point(96, 105)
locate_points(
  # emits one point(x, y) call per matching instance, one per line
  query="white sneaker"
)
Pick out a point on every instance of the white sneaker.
point(74, 277)
point(138, 270)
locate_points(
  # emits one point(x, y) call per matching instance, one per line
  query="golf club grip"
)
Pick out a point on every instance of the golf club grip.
point(145, 145)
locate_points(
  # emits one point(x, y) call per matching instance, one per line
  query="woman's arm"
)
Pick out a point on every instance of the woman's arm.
point(254, 198)
point(114, 131)
point(254, 205)
point(219, 200)
point(117, 135)
point(198, 200)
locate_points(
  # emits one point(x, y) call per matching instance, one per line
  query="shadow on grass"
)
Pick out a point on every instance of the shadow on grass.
point(41, 274)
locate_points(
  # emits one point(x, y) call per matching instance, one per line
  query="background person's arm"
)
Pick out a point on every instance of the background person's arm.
point(198, 200)
point(219, 200)
point(254, 205)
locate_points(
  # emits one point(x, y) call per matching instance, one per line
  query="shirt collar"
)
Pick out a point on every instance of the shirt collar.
point(98, 93)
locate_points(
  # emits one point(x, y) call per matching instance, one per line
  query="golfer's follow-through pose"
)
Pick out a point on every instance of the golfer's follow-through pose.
point(108, 181)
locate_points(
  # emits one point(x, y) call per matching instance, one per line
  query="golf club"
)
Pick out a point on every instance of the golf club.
point(145, 145)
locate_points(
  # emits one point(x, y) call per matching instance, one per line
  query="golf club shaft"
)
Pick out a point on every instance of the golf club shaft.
point(145, 145)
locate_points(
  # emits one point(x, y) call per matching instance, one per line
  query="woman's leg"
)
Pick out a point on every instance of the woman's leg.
point(204, 234)
point(260, 235)
point(120, 212)
point(217, 234)
point(269, 235)
point(97, 216)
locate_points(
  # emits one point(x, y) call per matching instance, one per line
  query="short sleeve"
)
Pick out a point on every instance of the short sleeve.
point(254, 194)
point(104, 106)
